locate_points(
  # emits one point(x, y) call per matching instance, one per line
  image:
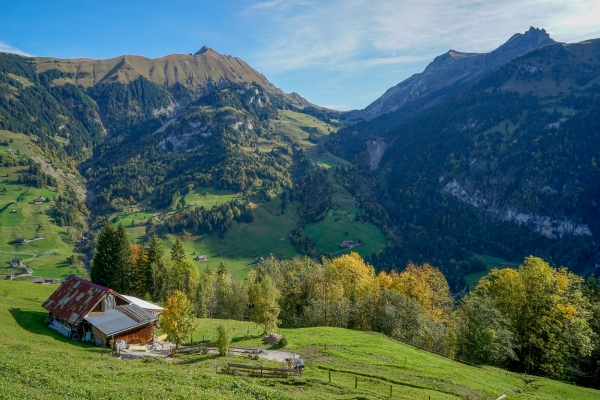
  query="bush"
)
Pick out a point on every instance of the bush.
point(283, 342)
point(224, 336)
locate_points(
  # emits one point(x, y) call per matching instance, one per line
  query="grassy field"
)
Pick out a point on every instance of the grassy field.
point(48, 256)
point(242, 244)
point(490, 262)
point(38, 363)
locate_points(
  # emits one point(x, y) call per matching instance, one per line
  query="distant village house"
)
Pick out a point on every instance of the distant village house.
point(201, 258)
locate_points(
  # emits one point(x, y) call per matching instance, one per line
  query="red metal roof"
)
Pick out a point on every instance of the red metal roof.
point(74, 299)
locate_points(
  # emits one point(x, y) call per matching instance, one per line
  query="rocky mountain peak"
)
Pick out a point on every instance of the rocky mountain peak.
point(451, 72)
point(203, 50)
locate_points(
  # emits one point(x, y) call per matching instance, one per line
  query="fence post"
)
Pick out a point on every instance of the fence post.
point(405, 361)
point(356, 382)
point(329, 376)
point(390, 390)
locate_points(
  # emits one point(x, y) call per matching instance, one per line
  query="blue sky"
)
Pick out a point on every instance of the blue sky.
point(341, 54)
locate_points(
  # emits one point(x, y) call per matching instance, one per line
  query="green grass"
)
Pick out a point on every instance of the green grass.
point(340, 224)
point(36, 362)
point(47, 257)
point(490, 262)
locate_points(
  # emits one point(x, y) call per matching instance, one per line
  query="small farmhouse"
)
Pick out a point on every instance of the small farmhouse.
point(84, 311)
point(16, 262)
point(201, 258)
point(346, 244)
point(22, 240)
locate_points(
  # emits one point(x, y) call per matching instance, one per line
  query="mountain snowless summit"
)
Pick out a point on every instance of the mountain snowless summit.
point(449, 73)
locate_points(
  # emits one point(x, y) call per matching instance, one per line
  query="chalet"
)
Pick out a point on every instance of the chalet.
point(10, 151)
point(150, 307)
point(38, 201)
point(84, 311)
point(348, 244)
point(14, 212)
point(16, 262)
point(201, 258)
point(22, 240)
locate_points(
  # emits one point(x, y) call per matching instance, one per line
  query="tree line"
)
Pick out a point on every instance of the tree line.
point(536, 319)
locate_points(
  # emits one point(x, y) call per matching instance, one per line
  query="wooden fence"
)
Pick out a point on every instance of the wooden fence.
point(263, 372)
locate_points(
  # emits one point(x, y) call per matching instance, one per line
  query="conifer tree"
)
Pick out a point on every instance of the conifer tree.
point(177, 252)
point(103, 268)
point(154, 264)
point(123, 261)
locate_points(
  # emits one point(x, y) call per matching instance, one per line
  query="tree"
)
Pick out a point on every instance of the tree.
point(547, 311)
point(425, 284)
point(224, 336)
point(155, 265)
point(104, 266)
point(137, 275)
point(177, 252)
point(264, 298)
point(178, 318)
point(123, 261)
point(483, 334)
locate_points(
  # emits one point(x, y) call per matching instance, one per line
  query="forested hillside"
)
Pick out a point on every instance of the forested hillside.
point(506, 168)
point(220, 149)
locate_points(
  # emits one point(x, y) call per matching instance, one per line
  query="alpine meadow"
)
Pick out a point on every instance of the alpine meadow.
point(180, 227)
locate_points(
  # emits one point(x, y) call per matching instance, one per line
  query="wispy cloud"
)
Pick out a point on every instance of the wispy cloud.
point(350, 36)
point(7, 48)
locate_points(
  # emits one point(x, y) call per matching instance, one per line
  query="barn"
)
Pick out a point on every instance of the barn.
point(84, 311)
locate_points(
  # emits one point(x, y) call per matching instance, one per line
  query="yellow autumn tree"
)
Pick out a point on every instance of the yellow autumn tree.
point(424, 284)
point(178, 318)
point(355, 276)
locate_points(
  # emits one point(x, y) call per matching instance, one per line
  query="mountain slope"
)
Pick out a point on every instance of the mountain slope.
point(195, 72)
point(507, 167)
point(449, 73)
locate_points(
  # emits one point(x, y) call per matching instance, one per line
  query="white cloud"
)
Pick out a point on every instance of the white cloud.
point(7, 48)
point(350, 36)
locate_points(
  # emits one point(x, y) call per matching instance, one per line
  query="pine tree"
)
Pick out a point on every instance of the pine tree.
point(154, 264)
point(177, 252)
point(123, 261)
point(103, 269)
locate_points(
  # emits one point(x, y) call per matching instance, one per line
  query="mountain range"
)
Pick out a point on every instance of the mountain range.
point(479, 155)
point(449, 73)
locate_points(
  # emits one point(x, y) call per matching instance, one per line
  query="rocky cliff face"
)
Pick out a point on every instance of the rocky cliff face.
point(550, 227)
point(451, 72)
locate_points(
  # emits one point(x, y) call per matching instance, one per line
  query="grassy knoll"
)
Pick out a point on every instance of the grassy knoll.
point(36, 362)
point(490, 262)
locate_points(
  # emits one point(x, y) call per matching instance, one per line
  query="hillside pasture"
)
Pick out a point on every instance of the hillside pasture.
point(37, 362)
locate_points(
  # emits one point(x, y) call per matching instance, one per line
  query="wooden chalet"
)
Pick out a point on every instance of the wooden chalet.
point(84, 311)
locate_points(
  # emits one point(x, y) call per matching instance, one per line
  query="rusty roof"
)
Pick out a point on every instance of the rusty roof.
point(74, 299)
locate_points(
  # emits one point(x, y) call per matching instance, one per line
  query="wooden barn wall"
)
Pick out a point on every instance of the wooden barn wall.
point(142, 336)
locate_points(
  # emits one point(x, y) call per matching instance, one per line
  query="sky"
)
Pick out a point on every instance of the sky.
point(341, 54)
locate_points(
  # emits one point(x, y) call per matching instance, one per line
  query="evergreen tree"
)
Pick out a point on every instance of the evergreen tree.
point(103, 269)
point(177, 252)
point(154, 264)
point(123, 261)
